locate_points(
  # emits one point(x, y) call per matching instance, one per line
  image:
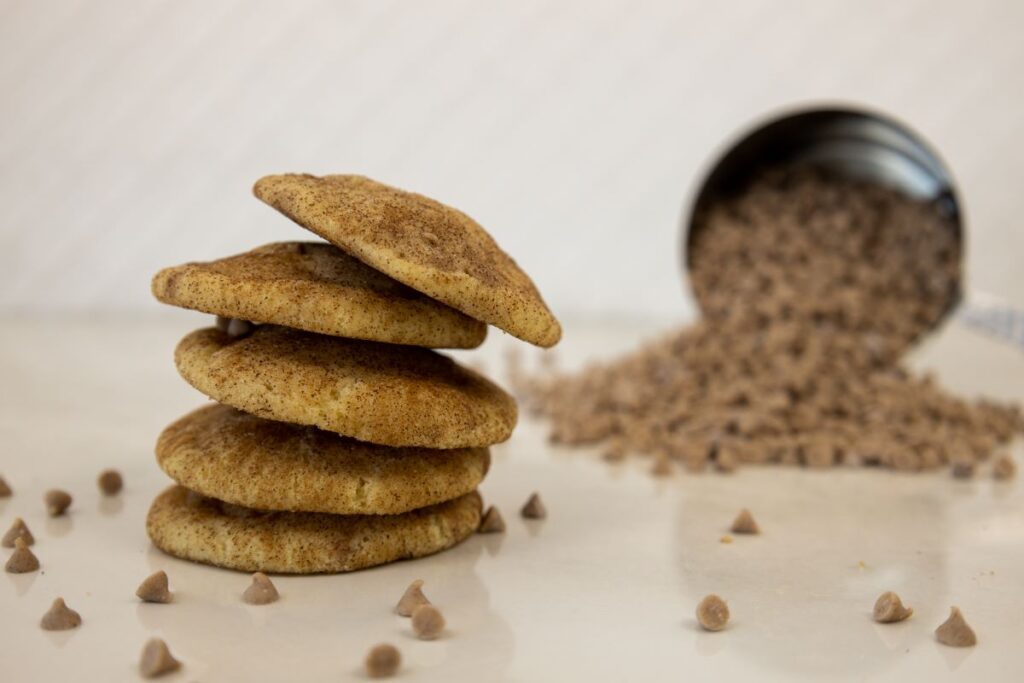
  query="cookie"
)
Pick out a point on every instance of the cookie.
point(381, 393)
point(242, 459)
point(420, 242)
point(318, 288)
point(190, 526)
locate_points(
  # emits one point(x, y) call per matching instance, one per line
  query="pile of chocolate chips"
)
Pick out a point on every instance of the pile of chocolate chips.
point(812, 287)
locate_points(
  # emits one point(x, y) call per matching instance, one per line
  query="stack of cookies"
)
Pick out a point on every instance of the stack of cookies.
point(339, 439)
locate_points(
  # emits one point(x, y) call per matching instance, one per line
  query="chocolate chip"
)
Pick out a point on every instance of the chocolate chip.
point(261, 591)
point(157, 660)
point(1004, 468)
point(154, 588)
point(427, 622)
point(5, 490)
point(534, 508)
point(60, 617)
point(110, 482)
point(889, 608)
point(18, 530)
point(492, 522)
point(745, 523)
point(382, 661)
point(955, 631)
point(712, 613)
point(57, 502)
point(22, 560)
point(412, 598)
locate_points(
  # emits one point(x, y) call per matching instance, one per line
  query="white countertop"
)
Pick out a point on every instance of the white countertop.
point(603, 590)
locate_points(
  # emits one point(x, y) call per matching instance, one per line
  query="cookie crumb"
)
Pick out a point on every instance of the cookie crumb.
point(745, 523)
point(1004, 468)
point(534, 508)
point(962, 469)
point(5, 490)
point(725, 539)
point(411, 599)
point(154, 588)
point(57, 502)
point(492, 523)
point(382, 661)
point(955, 631)
point(22, 560)
point(427, 622)
point(18, 530)
point(889, 609)
point(60, 617)
point(261, 591)
point(713, 613)
point(157, 660)
point(110, 482)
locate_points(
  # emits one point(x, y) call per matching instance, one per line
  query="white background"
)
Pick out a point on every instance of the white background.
point(131, 131)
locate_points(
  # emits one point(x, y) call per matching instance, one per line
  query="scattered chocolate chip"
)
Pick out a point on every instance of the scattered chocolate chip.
point(712, 613)
point(492, 522)
point(889, 608)
point(1004, 468)
point(110, 482)
point(411, 599)
point(57, 502)
point(745, 523)
point(5, 490)
point(955, 631)
point(534, 508)
point(239, 328)
point(60, 617)
point(261, 591)
point(427, 622)
point(382, 661)
point(18, 530)
point(154, 588)
point(157, 660)
point(22, 560)
point(962, 469)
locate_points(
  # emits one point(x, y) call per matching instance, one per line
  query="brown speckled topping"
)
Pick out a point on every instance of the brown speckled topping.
point(381, 393)
point(291, 467)
point(18, 530)
point(418, 241)
point(197, 528)
point(316, 287)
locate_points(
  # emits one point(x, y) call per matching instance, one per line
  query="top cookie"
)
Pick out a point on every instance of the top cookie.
point(420, 242)
point(318, 288)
